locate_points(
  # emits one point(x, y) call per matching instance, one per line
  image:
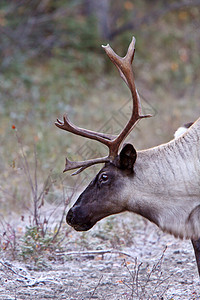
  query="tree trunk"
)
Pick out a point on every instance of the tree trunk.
point(99, 9)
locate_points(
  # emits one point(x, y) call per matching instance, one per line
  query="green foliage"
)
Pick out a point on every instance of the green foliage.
point(36, 246)
point(34, 31)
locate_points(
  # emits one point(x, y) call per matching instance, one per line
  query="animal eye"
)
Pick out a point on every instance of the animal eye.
point(103, 177)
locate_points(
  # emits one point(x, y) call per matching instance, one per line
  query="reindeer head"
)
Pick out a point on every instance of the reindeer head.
point(107, 193)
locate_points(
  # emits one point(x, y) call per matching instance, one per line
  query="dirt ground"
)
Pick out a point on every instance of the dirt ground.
point(144, 270)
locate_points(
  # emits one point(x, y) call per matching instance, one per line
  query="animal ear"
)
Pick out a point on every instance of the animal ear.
point(127, 157)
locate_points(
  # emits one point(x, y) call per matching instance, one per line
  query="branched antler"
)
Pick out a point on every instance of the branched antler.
point(124, 66)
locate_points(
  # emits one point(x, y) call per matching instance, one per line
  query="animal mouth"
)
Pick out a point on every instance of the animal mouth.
point(82, 227)
point(78, 226)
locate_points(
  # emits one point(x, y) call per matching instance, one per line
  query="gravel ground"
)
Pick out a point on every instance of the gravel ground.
point(154, 266)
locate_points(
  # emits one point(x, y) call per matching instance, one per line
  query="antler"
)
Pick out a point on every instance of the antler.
point(124, 66)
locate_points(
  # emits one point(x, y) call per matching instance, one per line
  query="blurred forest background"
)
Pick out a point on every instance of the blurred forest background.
point(51, 63)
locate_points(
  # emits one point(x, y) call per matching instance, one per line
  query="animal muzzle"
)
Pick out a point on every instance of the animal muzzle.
point(78, 222)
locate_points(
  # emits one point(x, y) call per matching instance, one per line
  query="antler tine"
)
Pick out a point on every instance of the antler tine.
point(124, 66)
point(82, 165)
point(67, 125)
point(122, 62)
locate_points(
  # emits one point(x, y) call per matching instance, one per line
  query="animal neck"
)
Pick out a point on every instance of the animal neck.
point(166, 185)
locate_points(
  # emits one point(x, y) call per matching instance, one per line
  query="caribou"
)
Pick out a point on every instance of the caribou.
point(161, 184)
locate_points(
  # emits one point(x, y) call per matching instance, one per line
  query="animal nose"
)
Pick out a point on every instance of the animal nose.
point(69, 216)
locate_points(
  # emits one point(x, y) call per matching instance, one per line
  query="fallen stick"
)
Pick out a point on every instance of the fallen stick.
point(96, 252)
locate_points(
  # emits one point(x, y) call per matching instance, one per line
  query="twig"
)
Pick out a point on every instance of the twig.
point(96, 252)
point(63, 213)
point(132, 274)
point(96, 287)
point(137, 278)
point(26, 279)
point(138, 289)
point(33, 185)
point(5, 265)
point(126, 284)
point(11, 35)
point(154, 268)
